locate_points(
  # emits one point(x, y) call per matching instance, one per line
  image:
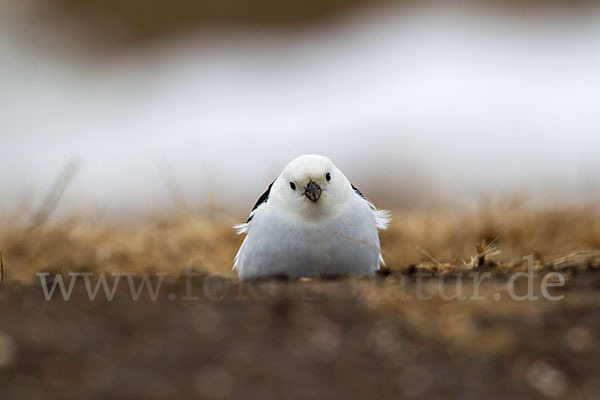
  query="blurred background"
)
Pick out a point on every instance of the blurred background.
point(135, 133)
point(419, 103)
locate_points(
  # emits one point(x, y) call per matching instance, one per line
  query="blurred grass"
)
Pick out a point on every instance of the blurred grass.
point(368, 324)
point(170, 242)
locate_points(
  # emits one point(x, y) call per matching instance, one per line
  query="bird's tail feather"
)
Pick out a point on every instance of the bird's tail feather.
point(382, 218)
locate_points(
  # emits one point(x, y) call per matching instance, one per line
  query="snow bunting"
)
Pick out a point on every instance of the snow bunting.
point(311, 221)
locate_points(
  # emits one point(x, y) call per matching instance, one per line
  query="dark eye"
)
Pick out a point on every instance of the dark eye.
point(328, 176)
point(293, 185)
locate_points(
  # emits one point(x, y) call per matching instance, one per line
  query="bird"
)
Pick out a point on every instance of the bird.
point(311, 222)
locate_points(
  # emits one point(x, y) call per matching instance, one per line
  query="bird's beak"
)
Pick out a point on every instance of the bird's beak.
point(312, 191)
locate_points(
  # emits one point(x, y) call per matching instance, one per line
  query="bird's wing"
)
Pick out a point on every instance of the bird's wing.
point(243, 228)
point(382, 217)
point(357, 191)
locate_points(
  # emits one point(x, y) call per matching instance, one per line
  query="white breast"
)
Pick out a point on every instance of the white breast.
point(277, 243)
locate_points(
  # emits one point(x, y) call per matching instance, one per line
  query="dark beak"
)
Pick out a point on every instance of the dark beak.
point(312, 191)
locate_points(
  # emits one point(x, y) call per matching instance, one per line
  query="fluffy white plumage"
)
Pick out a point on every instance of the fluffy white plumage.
point(311, 222)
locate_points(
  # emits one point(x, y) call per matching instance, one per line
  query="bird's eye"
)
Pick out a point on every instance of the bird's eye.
point(328, 176)
point(293, 185)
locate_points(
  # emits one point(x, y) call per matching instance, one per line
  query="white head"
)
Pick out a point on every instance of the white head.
point(311, 187)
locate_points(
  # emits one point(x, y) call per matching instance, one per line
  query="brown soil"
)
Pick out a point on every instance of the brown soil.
point(312, 339)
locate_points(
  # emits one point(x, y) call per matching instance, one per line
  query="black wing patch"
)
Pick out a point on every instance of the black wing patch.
point(262, 199)
point(357, 191)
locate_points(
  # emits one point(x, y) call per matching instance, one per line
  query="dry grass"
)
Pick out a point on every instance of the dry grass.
point(327, 332)
point(515, 230)
point(171, 242)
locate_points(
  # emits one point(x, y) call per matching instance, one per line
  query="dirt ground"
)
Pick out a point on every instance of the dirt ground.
point(393, 336)
point(402, 334)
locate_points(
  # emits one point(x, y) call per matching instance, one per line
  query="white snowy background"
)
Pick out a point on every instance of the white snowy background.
point(416, 107)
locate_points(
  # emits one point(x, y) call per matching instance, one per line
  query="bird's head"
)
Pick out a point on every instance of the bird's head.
point(311, 186)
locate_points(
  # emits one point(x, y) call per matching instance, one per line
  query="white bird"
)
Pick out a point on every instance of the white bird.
point(311, 221)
